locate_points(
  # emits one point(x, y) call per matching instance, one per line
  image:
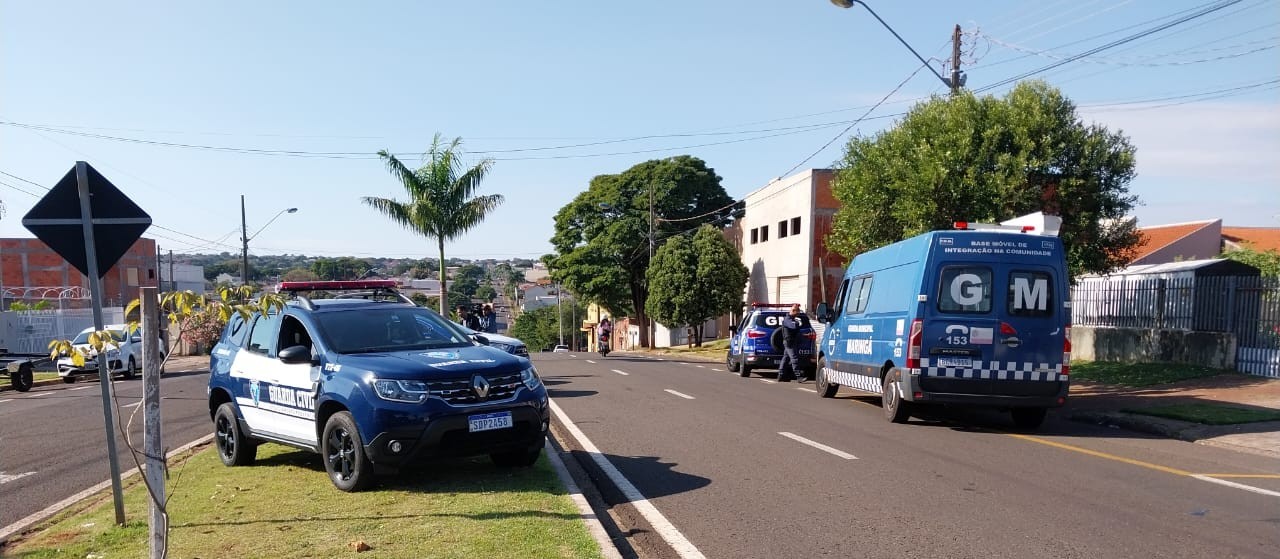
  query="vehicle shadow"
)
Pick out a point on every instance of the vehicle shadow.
point(650, 475)
point(558, 393)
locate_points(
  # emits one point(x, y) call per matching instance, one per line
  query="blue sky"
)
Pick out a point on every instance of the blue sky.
point(348, 78)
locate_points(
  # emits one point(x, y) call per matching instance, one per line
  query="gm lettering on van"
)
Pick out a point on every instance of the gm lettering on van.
point(1036, 294)
point(966, 289)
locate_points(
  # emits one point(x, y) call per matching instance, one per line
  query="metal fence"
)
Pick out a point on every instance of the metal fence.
point(1248, 307)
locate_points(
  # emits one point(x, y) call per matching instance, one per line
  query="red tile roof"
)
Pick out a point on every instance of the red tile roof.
point(1256, 238)
point(1157, 237)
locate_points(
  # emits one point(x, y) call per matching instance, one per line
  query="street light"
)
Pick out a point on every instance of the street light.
point(245, 237)
point(957, 78)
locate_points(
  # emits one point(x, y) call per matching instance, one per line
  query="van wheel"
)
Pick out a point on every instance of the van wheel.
point(825, 388)
point(730, 364)
point(1028, 418)
point(344, 458)
point(895, 410)
point(234, 448)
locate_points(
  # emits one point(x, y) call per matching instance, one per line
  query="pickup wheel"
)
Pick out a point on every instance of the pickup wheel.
point(825, 388)
point(516, 459)
point(895, 410)
point(344, 458)
point(1028, 418)
point(234, 448)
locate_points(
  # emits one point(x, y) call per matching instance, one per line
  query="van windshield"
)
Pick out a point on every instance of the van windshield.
point(965, 289)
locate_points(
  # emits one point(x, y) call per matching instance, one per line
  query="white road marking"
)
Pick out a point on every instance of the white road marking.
point(818, 445)
point(701, 367)
point(77, 388)
point(680, 394)
point(669, 533)
point(131, 405)
point(6, 478)
point(623, 373)
point(806, 389)
point(1249, 488)
point(591, 362)
point(768, 381)
point(7, 400)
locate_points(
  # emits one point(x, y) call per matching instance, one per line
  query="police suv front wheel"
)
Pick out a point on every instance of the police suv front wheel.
point(344, 459)
point(234, 448)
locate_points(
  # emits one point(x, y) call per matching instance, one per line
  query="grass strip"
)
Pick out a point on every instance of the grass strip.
point(1139, 374)
point(1210, 414)
point(284, 506)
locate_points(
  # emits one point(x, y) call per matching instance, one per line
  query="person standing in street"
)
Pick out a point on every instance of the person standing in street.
point(490, 319)
point(791, 363)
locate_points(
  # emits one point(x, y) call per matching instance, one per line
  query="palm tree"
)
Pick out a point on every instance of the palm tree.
point(441, 204)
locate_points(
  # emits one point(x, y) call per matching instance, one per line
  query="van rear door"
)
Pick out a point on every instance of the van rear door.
point(960, 325)
point(1029, 342)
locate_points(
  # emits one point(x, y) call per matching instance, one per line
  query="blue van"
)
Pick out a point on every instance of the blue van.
point(978, 316)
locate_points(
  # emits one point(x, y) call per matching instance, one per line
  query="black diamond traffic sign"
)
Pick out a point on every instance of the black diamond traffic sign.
point(117, 221)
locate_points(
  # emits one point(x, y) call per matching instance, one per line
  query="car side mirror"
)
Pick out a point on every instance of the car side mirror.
point(136, 339)
point(824, 313)
point(481, 339)
point(295, 355)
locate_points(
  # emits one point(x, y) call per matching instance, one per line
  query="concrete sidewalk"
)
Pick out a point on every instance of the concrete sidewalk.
point(1107, 404)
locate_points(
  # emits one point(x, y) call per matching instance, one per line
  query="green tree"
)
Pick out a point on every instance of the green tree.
point(298, 274)
point(987, 159)
point(343, 268)
point(695, 280)
point(442, 204)
point(487, 292)
point(1268, 262)
point(602, 237)
point(539, 328)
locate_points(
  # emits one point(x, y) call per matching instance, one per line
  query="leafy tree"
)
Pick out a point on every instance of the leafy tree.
point(983, 159)
point(422, 300)
point(442, 204)
point(539, 328)
point(298, 274)
point(694, 280)
point(487, 292)
point(343, 268)
point(1266, 261)
point(602, 236)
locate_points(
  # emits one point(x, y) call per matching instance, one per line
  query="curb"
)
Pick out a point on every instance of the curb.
point(607, 549)
point(24, 525)
point(1170, 428)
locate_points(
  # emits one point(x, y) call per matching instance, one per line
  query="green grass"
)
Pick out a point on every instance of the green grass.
point(1210, 414)
point(284, 506)
point(713, 349)
point(37, 377)
point(1138, 374)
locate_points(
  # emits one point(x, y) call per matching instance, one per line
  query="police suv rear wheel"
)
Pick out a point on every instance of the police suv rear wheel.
point(344, 459)
point(745, 372)
point(234, 448)
point(825, 388)
point(895, 410)
point(730, 364)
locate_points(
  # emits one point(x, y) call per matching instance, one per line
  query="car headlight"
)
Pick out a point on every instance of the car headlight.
point(504, 347)
point(411, 391)
point(113, 353)
point(530, 378)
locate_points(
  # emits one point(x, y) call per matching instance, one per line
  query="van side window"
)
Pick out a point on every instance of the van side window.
point(864, 295)
point(851, 298)
point(262, 339)
point(838, 304)
point(965, 289)
point(1030, 294)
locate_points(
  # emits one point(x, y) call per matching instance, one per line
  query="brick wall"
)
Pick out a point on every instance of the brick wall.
point(31, 263)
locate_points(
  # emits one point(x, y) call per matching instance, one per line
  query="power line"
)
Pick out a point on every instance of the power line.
point(1119, 62)
point(1116, 43)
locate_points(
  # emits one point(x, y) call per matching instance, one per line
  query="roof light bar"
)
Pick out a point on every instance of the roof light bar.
point(335, 285)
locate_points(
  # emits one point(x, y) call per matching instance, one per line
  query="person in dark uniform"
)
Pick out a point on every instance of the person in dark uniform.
point(791, 363)
point(468, 319)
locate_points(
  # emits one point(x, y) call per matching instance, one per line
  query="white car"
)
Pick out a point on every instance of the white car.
point(561, 349)
point(506, 343)
point(124, 358)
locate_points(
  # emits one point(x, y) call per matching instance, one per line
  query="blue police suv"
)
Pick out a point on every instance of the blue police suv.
point(757, 341)
point(372, 383)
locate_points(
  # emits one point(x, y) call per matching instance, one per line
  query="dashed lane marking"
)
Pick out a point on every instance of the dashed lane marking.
point(818, 445)
point(1248, 488)
point(806, 389)
point(623, 373)
point(768, 381)
point(77, 388)
point(680, 394)
point(591, 362)
point(6, 478)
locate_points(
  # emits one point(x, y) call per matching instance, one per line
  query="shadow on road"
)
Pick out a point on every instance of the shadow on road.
point(558, 393)
point(653, 477)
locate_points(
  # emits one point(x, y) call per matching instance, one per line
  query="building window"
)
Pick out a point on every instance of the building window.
point(764, 233)
point(131, 277)
point(782, 229)
point(755, 235)
point(151, 273)
point(795, 225)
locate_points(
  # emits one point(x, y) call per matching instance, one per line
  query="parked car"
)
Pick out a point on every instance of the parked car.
point(124, 358)
point(560, 349)
point(756, 344)
point(370, 384)
point(506, 343)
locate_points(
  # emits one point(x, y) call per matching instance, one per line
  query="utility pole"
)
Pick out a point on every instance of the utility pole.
point(244, 246)
point(173, 286)
point(650, 330)
point(955, 61)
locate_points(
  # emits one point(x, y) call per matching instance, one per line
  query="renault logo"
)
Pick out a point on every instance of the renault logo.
point(481, 386)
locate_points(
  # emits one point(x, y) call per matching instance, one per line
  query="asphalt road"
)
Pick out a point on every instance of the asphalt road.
point(704, 447)
point(53, 444)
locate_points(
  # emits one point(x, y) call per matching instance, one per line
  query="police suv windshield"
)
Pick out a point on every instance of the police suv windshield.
point(392, 329)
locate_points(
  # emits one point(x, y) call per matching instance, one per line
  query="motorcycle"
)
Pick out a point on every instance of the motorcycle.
point(604, 346)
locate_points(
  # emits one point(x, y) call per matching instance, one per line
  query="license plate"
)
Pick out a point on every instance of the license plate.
point(955, 362)
point(489, 421)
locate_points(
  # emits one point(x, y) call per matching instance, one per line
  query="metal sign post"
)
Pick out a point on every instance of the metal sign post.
point(95, 291)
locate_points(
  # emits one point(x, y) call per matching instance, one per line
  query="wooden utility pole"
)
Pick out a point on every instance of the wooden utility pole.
point(955, 60)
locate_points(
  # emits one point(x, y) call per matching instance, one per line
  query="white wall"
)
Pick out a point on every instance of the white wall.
point(779, 257)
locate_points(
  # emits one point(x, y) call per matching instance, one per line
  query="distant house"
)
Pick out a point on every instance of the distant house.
point(1200, 240)
point(185, 277)
point(225, 278)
